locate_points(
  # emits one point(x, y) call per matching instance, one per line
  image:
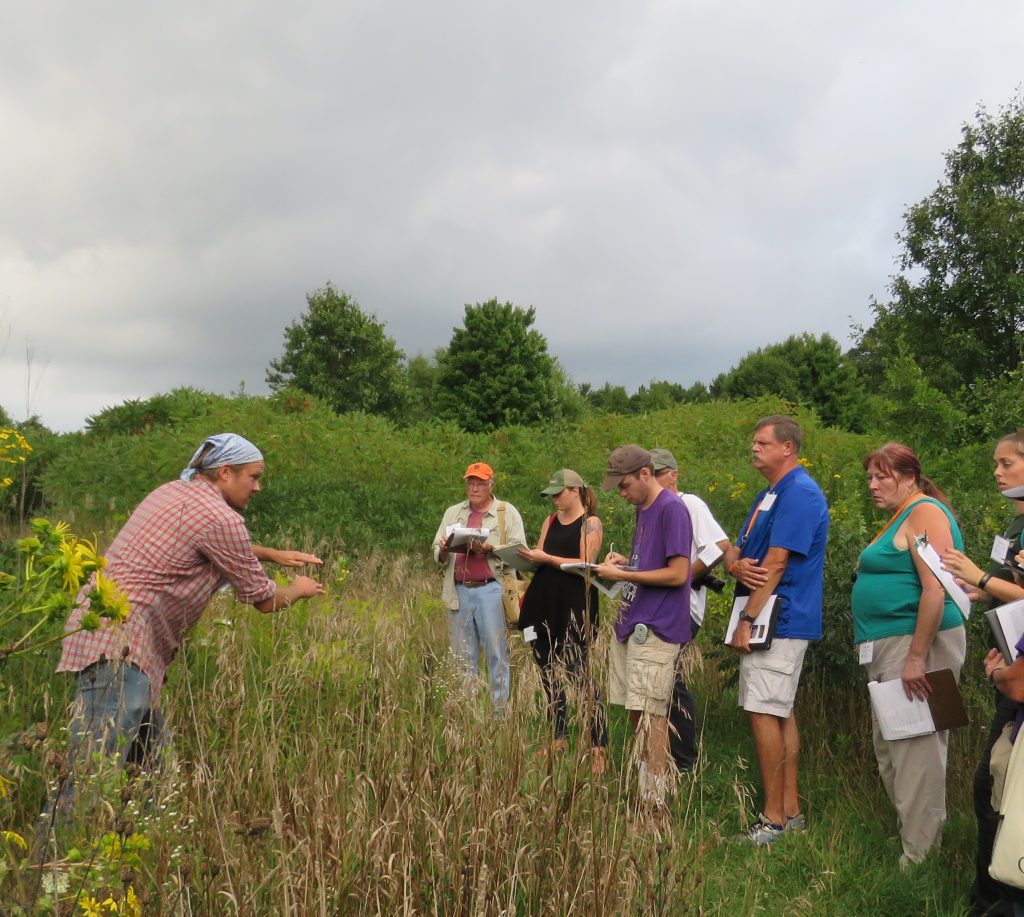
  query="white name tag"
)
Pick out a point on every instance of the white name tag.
point(767, 502)
point(529, 634)
point(1000, 549)
point(866, 652)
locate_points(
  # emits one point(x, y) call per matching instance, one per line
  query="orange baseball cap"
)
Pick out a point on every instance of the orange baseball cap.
point(479, 470)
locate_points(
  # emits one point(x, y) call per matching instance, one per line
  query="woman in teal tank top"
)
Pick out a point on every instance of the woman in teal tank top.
point(907, 625)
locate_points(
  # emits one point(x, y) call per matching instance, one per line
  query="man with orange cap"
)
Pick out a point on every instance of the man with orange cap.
point(472, 581)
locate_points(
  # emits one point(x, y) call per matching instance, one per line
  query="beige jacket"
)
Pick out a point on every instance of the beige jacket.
point(459, 515)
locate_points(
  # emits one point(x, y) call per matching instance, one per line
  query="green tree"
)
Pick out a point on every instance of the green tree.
point(608, 399)
point(136, 416)
point(421, 380)
point(342, 355)
point(804, 369)
point(958, 306)
point(497, 370)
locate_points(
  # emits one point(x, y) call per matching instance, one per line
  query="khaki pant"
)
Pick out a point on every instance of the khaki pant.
point(913, 771)
point(999, 764)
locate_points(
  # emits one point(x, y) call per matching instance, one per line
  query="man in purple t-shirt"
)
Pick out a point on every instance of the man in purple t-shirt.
point(653, 621)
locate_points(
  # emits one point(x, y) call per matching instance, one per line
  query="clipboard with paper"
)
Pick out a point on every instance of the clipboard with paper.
point(762, 630)
point(900, 718)
point(934, 563)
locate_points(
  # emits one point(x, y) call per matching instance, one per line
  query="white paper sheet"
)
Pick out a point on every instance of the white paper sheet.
point(928, 554)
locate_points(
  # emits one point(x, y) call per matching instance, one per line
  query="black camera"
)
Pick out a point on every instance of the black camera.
point(709, 580)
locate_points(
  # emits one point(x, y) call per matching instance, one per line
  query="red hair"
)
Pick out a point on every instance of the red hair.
point(896, 459)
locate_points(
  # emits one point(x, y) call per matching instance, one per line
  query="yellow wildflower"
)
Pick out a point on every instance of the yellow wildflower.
point(90, 907)
point(112, 601)
point(4, 783)
point(15, 839)
point(71, 562)
point(131, 904)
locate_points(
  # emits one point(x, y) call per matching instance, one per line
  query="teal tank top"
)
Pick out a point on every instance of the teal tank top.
point(887, 589)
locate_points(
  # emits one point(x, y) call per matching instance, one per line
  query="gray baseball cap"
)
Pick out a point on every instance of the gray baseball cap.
point(662, 458)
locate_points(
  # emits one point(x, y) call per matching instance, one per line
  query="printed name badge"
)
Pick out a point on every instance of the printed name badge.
point(1001, 549)
point(866, 652)
point(767, 502)
point(529, 634)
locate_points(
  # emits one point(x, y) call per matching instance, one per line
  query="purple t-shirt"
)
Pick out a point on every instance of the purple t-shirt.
point(663, 531)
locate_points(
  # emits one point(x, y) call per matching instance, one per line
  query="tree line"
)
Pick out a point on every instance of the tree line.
point(951, 330)
point(943, 352)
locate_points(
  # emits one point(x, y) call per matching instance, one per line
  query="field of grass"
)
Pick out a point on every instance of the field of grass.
point(325, 761)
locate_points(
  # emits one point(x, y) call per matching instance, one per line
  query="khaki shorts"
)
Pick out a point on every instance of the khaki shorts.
point(641, 675)
point(769, 679)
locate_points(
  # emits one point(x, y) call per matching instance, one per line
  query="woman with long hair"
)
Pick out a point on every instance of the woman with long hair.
point(907, 626)
point(560, 612)
point(995, 586)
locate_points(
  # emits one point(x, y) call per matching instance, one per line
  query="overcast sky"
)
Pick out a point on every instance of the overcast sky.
point(670, 184)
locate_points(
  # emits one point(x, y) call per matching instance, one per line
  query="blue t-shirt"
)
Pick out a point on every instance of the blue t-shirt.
point(663, 530)
point(798, 522)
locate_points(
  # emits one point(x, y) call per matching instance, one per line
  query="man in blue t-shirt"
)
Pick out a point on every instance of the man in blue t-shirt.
point(653, 619)
point(780, 552)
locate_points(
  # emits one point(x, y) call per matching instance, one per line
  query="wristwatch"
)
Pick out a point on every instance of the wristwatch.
point(745, 617)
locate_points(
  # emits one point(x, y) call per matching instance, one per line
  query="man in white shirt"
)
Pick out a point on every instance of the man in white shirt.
point(710, 543)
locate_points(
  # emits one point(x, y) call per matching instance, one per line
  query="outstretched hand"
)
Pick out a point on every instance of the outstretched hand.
point(296, 559)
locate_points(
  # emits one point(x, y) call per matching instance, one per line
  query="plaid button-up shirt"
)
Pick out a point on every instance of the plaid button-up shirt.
point(181, 544)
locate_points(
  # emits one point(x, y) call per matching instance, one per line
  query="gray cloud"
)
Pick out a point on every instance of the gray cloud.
point(670, 184)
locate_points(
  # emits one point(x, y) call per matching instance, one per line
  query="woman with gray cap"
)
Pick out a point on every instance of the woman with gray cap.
point(559, 614)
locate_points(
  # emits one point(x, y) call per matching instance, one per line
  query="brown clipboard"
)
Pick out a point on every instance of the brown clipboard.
point(945, 702)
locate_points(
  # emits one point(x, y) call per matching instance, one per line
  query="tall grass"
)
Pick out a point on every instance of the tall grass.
point(328, 761)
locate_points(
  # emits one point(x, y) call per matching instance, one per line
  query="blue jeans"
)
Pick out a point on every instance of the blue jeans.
point(113, 710)
point(480, 621)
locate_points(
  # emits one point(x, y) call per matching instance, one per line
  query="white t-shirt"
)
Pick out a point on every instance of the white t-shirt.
point(706, 531)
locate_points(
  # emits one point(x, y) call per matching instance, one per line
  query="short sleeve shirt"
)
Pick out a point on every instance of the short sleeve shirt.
point(662, 531)
point(797, 520)
point(706, 531)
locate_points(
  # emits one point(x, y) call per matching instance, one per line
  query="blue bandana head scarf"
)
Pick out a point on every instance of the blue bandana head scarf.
point(223, 449)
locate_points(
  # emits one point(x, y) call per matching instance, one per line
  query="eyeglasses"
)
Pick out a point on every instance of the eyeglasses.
point(662, 471)
point(478, 484)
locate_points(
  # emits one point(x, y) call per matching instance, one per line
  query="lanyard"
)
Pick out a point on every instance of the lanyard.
point(913, 498)
point(753, 519)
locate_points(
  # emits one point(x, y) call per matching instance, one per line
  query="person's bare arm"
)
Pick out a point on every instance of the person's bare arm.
point(674, 574)
point(284, 558)
point(302, 587)
point(775, 562)
point(924, 518)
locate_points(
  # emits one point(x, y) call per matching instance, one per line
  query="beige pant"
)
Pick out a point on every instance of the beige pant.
point(913, 771)
point(999, 764)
